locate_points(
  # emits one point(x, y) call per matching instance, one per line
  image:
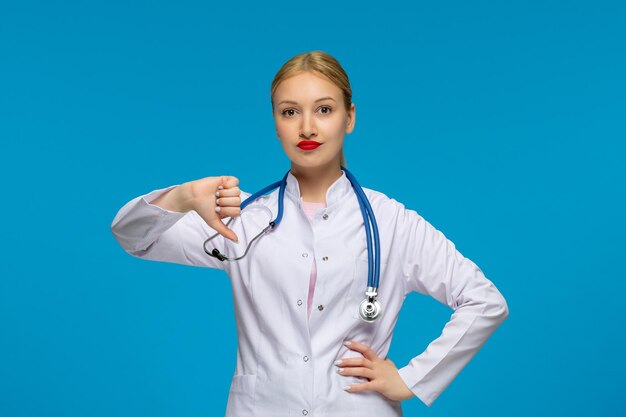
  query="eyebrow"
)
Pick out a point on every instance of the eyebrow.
point(319, 99)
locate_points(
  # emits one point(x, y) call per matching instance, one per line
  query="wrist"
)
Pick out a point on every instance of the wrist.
point(172, 200)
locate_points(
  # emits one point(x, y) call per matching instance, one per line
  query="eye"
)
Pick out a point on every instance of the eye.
point(288, 112)
point(325, 108)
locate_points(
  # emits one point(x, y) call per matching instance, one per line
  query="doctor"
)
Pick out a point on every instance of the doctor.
point(302, 348)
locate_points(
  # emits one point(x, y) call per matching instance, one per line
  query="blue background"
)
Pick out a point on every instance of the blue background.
point(502, 123)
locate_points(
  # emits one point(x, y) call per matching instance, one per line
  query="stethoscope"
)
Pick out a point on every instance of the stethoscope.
point(369, 309)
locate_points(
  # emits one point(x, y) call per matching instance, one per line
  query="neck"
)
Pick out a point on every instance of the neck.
point(314, 182)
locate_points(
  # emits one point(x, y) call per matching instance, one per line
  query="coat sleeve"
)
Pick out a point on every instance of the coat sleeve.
point(147, 231)
point(433, 266)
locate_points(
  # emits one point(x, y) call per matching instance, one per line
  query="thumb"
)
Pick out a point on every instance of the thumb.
point(216, 223)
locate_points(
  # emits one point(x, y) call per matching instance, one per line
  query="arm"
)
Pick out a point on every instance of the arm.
point(433, 266)
point(147, 231)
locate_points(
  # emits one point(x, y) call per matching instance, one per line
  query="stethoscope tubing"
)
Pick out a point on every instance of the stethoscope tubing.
point(373, 277)
point(370, 308)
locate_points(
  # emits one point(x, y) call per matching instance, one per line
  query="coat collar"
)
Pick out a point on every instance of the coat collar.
point(335, 192)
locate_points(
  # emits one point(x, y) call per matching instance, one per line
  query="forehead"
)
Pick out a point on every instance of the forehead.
point(306, 86)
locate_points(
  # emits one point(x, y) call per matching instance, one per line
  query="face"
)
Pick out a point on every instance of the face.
point(308, 106)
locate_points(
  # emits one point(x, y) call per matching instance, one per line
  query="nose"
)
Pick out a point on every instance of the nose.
point(307, 129)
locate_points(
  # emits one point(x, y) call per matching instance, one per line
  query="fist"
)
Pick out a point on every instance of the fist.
point(214, 198)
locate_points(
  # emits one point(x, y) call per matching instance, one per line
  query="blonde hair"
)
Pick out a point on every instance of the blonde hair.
point(323, 63)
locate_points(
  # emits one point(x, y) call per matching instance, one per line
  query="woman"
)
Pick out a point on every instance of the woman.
point(297, 291)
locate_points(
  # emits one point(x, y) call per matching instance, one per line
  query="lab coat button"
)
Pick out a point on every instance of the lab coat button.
point(304, 255)
point(320, 307)
point(305, 412)
point(299, 302)
point(325, 258)
point(306, 358)
point(325, 216)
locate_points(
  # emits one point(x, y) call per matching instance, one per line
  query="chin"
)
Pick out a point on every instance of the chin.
point(311, 162)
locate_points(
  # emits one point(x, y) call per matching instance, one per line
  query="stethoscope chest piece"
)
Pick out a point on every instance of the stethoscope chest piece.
point(370, 308)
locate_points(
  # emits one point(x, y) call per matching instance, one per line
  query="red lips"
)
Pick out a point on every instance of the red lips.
point(308, 145)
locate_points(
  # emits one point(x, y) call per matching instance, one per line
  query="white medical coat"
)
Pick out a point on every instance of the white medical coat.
point(284, 362)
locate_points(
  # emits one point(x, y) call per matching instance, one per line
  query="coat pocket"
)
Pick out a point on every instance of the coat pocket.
point(241, 396)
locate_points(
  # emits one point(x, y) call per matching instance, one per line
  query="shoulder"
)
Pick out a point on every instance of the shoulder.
point(394, 212)
point(381, 201)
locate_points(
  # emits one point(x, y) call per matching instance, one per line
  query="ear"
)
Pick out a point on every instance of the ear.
point(351, 119)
